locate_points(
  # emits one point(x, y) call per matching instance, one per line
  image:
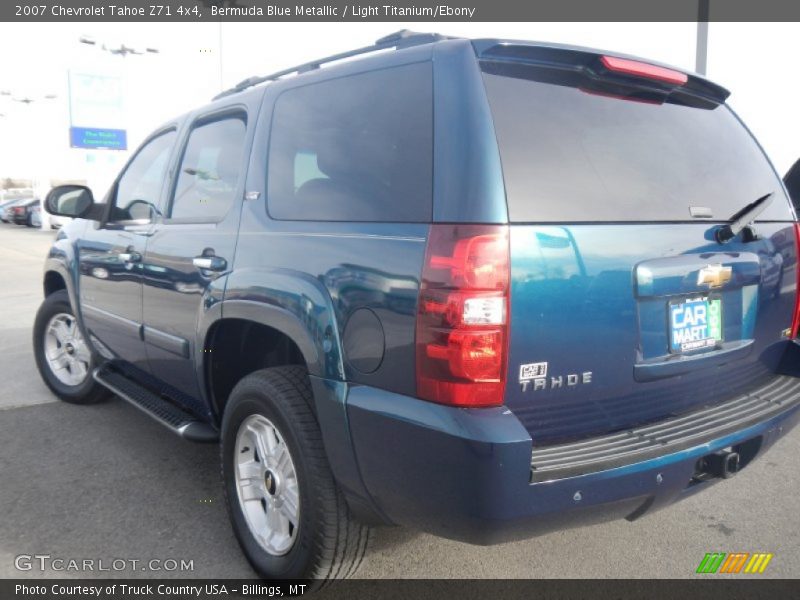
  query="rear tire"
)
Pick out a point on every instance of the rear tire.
point(63, 357)
point(290, 479)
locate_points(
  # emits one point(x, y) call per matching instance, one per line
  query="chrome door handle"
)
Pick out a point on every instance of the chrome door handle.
point(210, 263)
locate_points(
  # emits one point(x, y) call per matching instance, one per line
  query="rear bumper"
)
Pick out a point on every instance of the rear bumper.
point(466, 474)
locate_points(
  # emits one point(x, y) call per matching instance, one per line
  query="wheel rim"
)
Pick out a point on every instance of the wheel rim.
point(65, 350)
point(266, 484)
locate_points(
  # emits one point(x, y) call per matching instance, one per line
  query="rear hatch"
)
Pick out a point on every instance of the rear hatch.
point(625, 309)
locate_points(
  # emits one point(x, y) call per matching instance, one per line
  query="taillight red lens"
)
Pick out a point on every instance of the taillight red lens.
point(462, 317)
point(642, 69)
point(796, 316)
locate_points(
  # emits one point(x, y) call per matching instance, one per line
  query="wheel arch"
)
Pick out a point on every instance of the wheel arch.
point(57, 276)
point(324, 368)
point(53, 282)
point(274, 334)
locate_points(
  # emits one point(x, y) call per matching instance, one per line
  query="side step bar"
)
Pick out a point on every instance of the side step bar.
point(162, 410)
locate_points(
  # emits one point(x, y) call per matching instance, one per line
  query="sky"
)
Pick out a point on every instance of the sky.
point(196, 60)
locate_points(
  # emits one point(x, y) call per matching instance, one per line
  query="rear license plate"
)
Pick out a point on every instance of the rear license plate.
point(695, 323)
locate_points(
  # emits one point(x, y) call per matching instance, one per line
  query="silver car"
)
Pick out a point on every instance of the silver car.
point(35, 217)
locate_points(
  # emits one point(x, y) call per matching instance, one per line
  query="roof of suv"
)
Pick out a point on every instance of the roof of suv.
point(485, 48)
point(244, 89)
point(491, 49)
point(398, 40)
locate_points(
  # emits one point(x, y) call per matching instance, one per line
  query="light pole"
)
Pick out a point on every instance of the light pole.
point(701, 58)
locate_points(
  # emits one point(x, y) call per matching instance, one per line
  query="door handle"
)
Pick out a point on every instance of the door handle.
point(130, 256)
point(210, 263)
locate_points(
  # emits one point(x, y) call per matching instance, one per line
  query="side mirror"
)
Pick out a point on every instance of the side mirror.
point(70, 201)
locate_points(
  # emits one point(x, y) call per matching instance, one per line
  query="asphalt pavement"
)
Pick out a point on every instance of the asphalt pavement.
point(107, 483)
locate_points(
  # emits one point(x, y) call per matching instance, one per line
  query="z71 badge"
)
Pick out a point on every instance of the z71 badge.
point(532, 371)
point(533, 376)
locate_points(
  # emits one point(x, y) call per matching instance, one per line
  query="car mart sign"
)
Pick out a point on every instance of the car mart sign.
point(96, 111)
point(85, 137)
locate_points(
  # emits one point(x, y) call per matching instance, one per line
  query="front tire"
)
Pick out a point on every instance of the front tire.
point(288, 514)
point(63, 356)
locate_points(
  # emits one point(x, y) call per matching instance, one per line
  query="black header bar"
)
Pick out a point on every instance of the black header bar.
point(393, 589)
point(398, 10)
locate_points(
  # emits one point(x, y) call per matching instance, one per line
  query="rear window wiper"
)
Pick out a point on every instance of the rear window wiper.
point(742, 219)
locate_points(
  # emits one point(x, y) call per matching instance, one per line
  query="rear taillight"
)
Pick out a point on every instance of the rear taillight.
point(462, 317)
point(642, 69)
point(796, 316)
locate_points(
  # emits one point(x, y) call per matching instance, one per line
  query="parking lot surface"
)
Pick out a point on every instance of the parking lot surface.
point(106, 482)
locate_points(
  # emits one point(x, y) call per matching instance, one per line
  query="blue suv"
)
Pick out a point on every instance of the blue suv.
point(485, 289)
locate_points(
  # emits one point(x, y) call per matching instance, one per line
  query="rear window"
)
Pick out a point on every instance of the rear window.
point(358, 148)
point(570, 154)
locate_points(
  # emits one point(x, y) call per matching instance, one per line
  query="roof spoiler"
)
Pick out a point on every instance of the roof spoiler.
point(602, 65)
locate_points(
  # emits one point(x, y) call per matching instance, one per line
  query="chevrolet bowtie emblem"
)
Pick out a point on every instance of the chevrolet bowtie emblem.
point(714, 276)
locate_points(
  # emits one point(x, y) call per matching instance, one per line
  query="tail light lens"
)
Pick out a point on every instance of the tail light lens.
point(462, 317)
point(796, 316)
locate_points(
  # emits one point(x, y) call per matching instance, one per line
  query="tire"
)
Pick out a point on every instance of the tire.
point(72, 350)
point(328, 543)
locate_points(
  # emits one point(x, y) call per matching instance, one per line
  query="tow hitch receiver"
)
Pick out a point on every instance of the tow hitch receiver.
point(724, 464)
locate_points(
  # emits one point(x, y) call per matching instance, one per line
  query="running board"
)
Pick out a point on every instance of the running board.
point(162, 410)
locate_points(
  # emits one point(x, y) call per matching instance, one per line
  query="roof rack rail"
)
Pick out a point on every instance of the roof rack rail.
point(397, 40)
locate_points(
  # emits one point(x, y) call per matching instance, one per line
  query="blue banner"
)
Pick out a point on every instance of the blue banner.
point(92, 137)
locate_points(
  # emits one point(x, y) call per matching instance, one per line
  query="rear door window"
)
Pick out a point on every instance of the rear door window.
point(572, 155)
point(357, 148)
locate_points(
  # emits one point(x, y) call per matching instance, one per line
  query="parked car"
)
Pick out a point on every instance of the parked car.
point(35, 218)
point(485, 289)
point(21, 213)
point(3, 204)
point(6, 209)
